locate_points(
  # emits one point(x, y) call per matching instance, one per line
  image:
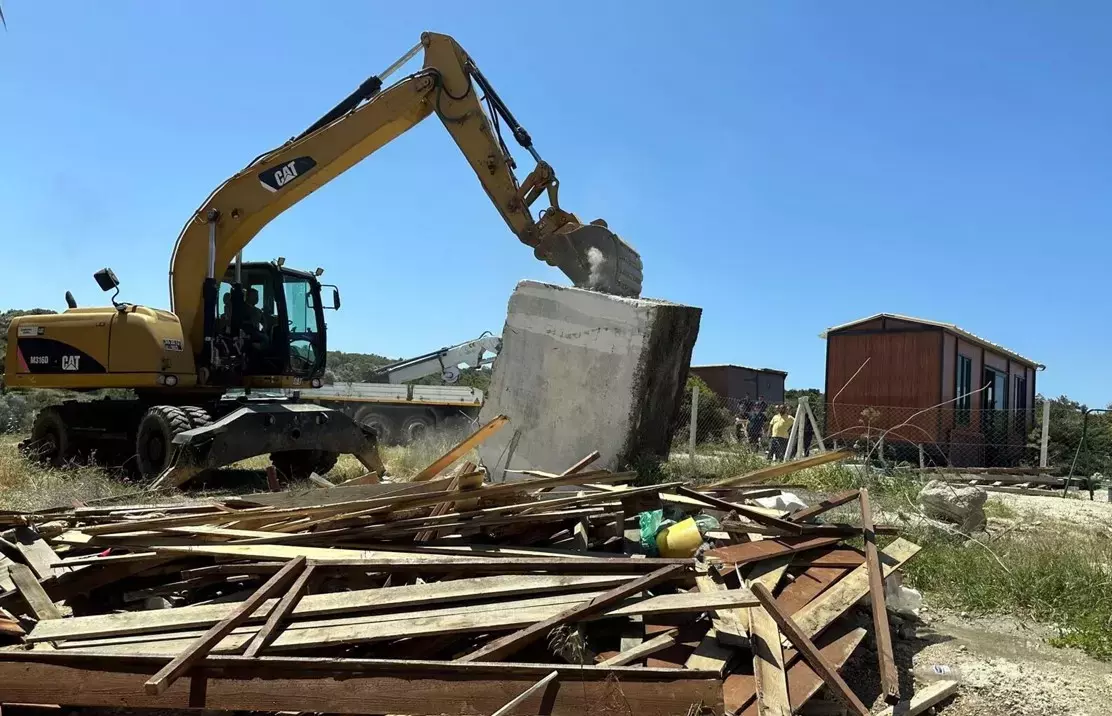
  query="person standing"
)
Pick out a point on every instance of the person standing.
point(779, 430)
point(756, 424)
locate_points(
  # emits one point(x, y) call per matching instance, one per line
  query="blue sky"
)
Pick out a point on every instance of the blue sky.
point(786, 166)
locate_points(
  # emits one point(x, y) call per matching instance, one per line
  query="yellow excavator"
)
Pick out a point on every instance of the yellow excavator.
point(242, 326)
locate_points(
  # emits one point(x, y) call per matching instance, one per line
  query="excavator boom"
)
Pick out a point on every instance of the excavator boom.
point(449, 85)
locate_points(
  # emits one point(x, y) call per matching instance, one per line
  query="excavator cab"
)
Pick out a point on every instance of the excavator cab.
point(270, 322)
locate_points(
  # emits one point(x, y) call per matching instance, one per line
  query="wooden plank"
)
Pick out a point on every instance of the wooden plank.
point(847, 557)
point(443, 508)
point(200, 648)
point(33, 593)
point(438, 687)
point(410, 596)
point(320, 481)
point(739, 690)
point(6, 584)
point(280, 613)
point(642, 650)
point(925, 698)
point(493, 616)
point(808, 585)
point(511, 643)
point(462, 448)
point(753, 514)
point(809, 651)
point(36, 553)
point(768, 658)
point(889, 678)
point(731, 625)
point(741, 554)
point(109, 559)
point(834, 602)
point(804, 514)
point(524, 696)
point(778, 470)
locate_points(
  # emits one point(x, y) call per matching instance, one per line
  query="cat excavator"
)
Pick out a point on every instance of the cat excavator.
point(238, 326)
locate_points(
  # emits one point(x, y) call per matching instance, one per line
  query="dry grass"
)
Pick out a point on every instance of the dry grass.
point(27, 486)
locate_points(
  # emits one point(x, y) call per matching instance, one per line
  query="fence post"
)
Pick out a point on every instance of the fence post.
point(814, 424)
point(800, 425)
point(1045, 433)
point(694, 429)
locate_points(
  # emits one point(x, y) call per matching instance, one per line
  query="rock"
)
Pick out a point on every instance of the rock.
point(962, 505)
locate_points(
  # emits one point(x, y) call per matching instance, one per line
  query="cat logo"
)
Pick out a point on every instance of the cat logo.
point(71, 362)
point(277, 177)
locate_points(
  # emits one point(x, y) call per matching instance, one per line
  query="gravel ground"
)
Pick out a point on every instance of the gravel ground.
point(1073, 510)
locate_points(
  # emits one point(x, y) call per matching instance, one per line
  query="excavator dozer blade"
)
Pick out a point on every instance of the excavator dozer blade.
point(596, 258)
point(265, 428)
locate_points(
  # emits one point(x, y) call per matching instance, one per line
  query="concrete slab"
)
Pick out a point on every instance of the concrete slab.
point(582, 371)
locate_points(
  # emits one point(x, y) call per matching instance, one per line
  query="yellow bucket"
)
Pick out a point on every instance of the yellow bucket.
point(679, 540)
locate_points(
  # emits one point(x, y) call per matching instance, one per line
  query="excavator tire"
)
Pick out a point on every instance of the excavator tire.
point(198, 417)
point(52, 441)
point(298, 464)
point(155, 437)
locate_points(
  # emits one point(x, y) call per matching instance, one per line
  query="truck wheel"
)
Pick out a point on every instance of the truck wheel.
point(51, 441)
point(298, 464)
point(378, 424)
point(154, 442)
point(416, 428)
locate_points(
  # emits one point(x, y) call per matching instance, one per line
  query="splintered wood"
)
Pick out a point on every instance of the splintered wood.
point(445, 594)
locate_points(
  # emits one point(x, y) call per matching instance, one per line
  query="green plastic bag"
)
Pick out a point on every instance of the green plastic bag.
point(650, 522)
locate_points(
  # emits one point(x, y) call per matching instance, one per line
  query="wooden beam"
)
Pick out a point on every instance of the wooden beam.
point(851, 589)
point(524, 696)
point(778, 470)
point(347, 604)
point(642, 650)
point(280, 614)
point(462, 448)
point(33, 593)
point(889, 678)
point(384, 687)
point(511, 643)
point(808, 585)
point(755, 515)
point(769, 675)
point(742, 554)
point(368, 628)
point(199, 649)
point(739, 691)
point(804, 514)
point(810, 652)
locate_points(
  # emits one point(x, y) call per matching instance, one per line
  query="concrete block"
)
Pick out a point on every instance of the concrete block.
point(582, 371)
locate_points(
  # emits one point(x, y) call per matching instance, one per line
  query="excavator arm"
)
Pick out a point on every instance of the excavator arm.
point(449, 86)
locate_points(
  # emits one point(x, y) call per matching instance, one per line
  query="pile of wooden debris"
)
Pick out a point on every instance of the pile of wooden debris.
point(446, 595)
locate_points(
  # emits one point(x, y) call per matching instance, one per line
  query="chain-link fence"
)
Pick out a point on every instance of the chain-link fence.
point(959, 434)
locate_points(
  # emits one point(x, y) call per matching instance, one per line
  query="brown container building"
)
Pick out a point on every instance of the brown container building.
point(899, 365)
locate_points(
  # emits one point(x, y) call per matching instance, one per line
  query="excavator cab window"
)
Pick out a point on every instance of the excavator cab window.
point(280, 331)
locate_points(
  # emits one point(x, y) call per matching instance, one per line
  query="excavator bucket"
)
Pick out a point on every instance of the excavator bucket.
point(266, 428)
point(596, 258)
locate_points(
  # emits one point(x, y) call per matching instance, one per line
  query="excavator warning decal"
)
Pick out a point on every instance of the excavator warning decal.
point(277, 177)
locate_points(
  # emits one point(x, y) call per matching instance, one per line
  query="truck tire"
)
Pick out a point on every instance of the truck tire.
point(298, 464)
point(198, 416)
point(52, 441)
point(415, 428)
point(379, 424)
point(155, 438)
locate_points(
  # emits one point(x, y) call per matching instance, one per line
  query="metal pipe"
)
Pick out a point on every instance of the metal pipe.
point(239, 267)
point(213, 215)
point(400, 61)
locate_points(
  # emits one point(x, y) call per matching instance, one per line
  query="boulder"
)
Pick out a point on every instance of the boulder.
point(962, 505)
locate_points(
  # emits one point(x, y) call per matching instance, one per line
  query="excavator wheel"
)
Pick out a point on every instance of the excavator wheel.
point(52, 441)
point(154, 440)
point(198, 417)
point(298, 464)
